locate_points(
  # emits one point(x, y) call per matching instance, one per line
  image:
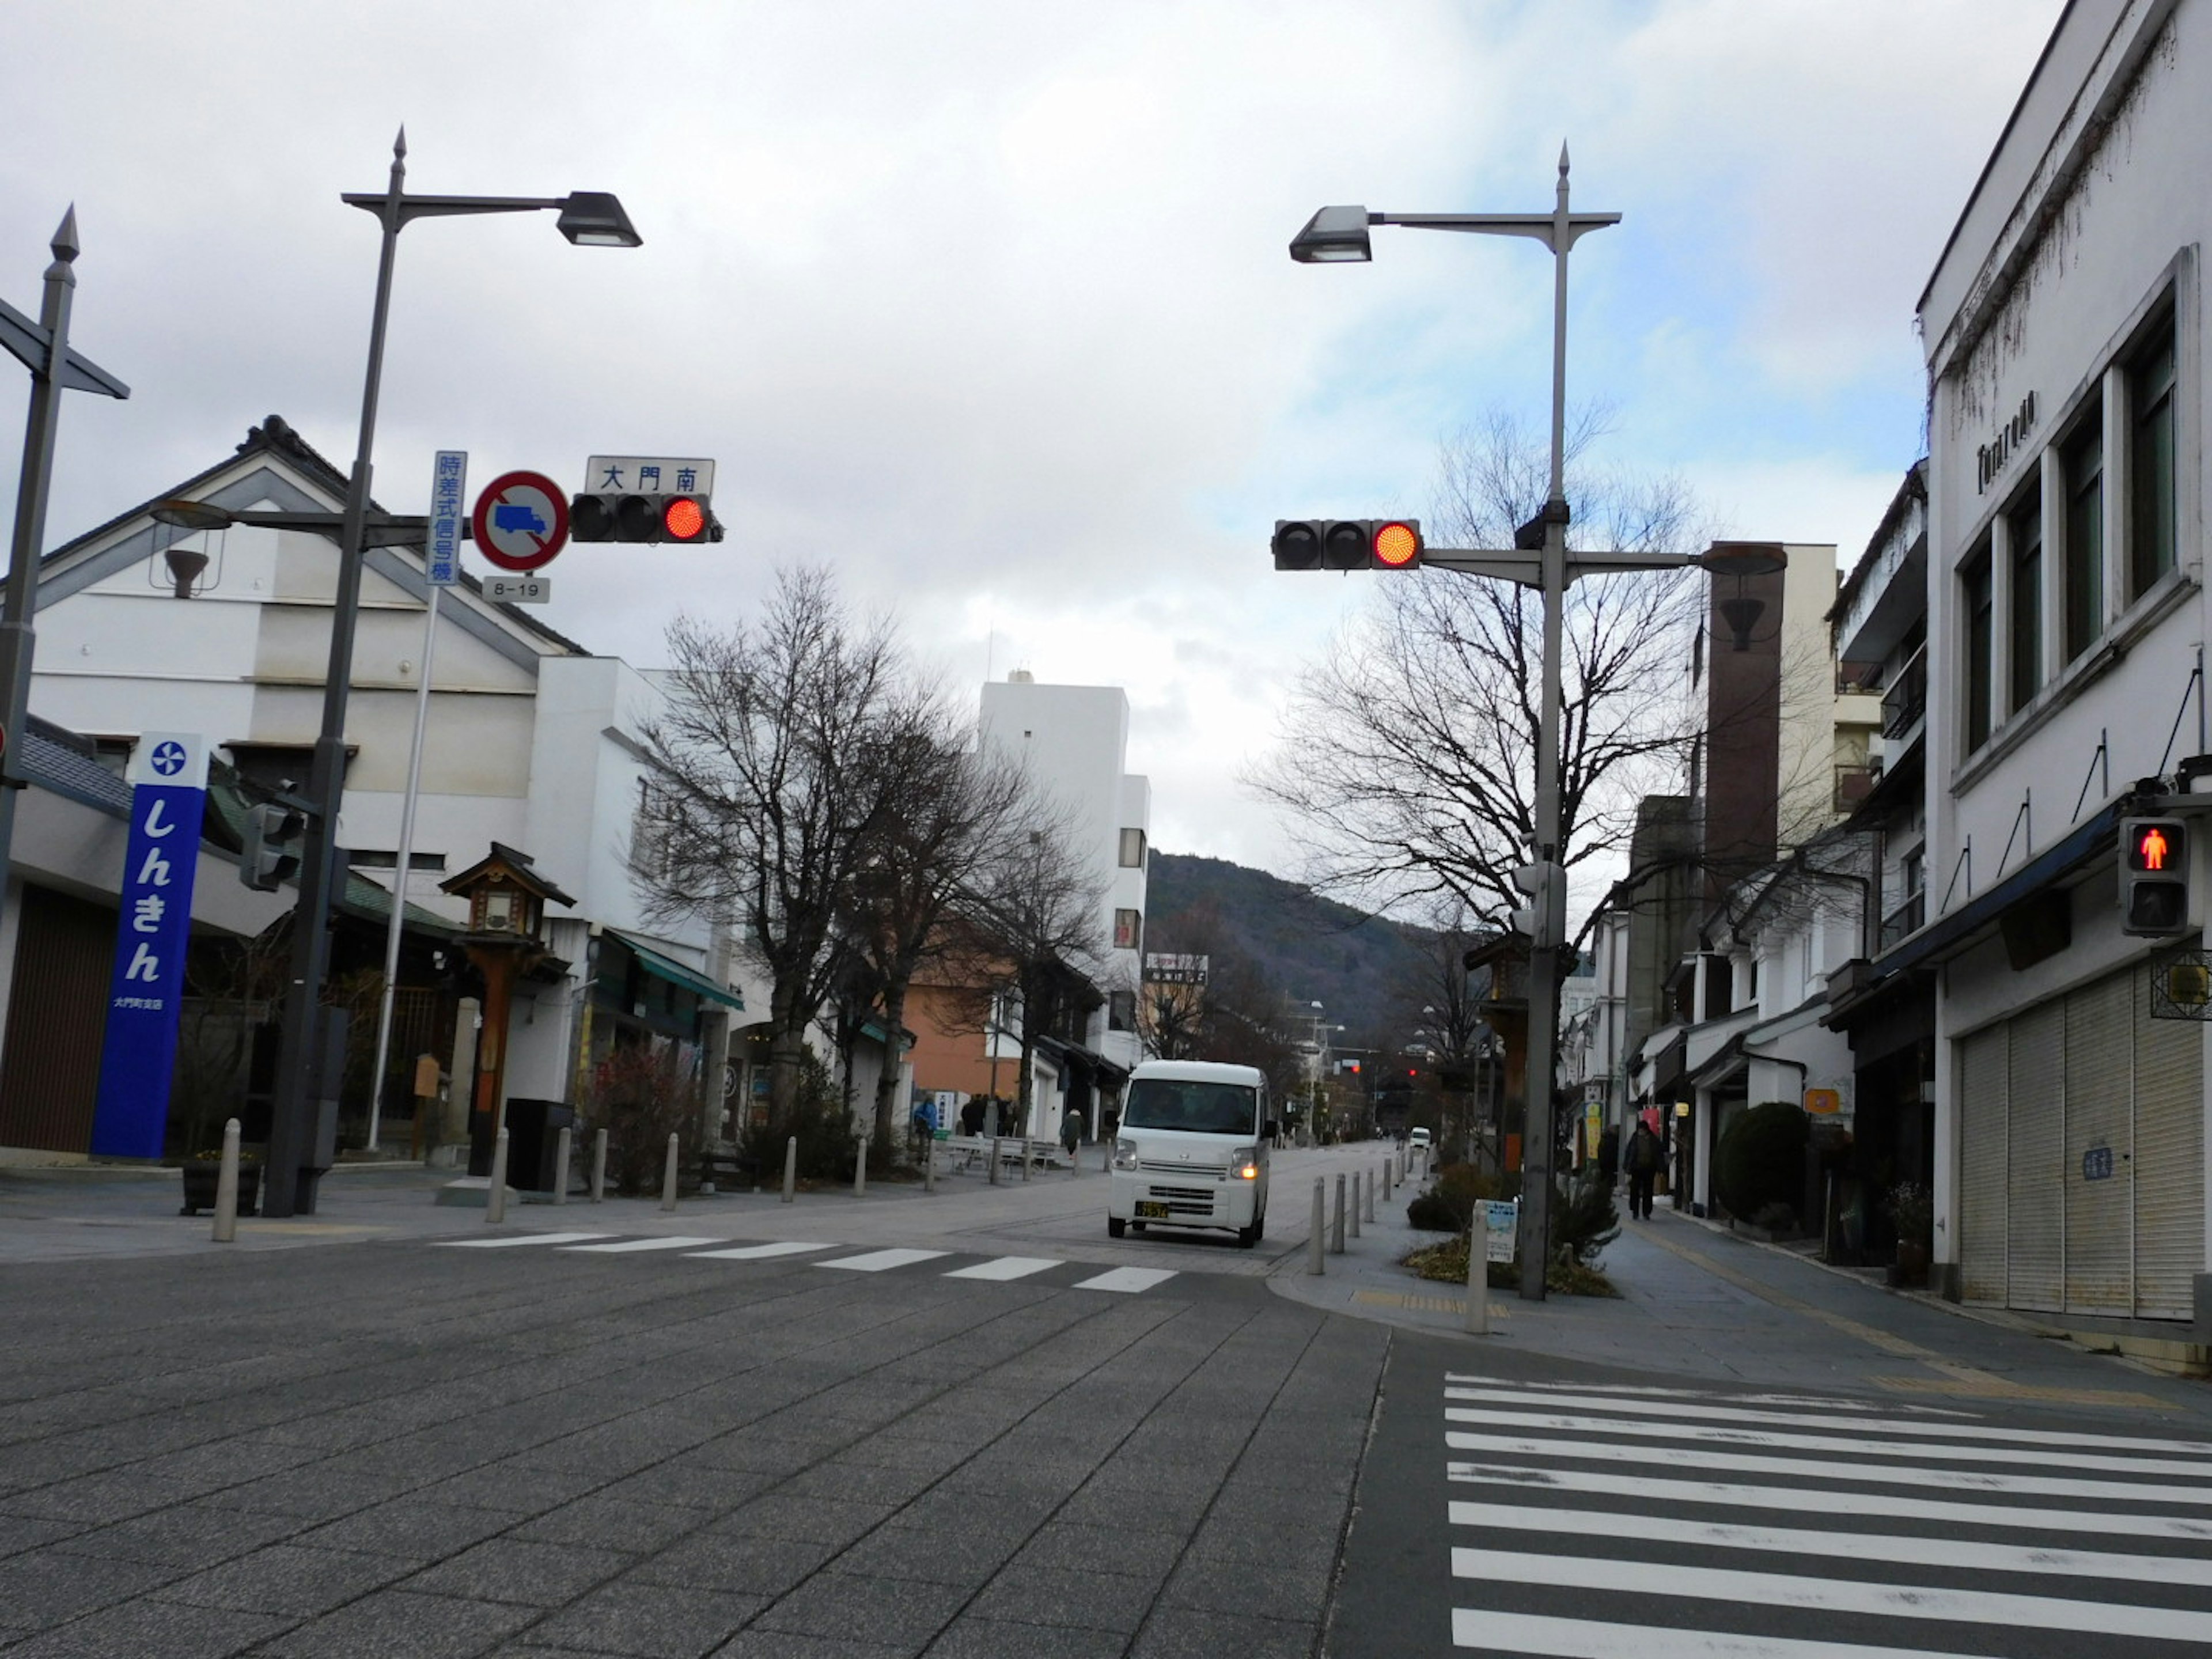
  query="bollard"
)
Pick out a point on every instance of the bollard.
point(1478, 1276)
point(1026, 1146)
point(1357, 1183)
point(1336, 1221)
point(1370, 1198)
point(598, 1166)
point(994, 1160)
point(225, 1188)
point(859, 1166)
point(929, 1164)
point(496, 1196)
point(1318, 1240)
point(561, 1166)
point(790, 1168)
point(668, 1179)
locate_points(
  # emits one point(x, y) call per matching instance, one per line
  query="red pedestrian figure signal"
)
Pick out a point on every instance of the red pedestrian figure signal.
point(2156, 846)
point(2155, 877)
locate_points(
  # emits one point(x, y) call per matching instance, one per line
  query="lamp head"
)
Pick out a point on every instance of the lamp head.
point(190, 515)
point(1335, 235)
point(594, 218)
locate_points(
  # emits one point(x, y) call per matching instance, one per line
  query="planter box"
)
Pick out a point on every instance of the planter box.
point(200, 1183)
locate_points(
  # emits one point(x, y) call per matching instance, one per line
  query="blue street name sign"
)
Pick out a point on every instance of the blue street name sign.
point(168, 774)
point(448, 512)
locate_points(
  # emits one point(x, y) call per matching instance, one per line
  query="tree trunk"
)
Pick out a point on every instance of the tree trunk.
point(887, 1081)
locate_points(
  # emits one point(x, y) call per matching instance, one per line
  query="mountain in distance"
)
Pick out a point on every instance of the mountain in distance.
point(1365, 970)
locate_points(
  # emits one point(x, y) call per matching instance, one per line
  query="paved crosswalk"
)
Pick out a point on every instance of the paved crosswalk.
point(1679, 1524)
point(1069, 1275)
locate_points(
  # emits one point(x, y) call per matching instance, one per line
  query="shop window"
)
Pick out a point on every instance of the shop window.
point(2025, 522)
point(1129, 929)
point(1974, 586)
point(2151, 459)
point(1132, 849)
point(2082, 456)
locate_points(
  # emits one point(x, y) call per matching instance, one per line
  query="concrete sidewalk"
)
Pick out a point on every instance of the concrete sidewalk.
point(1697, 1301)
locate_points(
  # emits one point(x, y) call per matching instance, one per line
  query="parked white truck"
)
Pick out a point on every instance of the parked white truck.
point(1191, 1149)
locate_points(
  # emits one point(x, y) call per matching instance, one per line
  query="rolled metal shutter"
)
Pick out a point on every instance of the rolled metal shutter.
point(2035, 1185)
point(2099, 1210)
point(1981, 1157)
point(2169, 1163)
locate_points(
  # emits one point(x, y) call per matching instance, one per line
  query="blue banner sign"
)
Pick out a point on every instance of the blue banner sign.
point(168, 774)
point(442, 549)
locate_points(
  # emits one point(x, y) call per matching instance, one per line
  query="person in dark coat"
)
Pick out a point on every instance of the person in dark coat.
point(1643, 1156)
point(1608, 1155)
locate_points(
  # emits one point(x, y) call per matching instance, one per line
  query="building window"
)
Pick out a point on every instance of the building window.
point(2083, 458)
point(1132, 849)
point(1120, 1010)
point(1974, 583)
point(1129, 929)
point(2025, 521)
point(2150, 460)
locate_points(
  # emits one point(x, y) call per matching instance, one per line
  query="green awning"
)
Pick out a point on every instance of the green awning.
point(689, 979)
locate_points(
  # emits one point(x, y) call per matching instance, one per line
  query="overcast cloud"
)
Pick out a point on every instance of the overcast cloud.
point(985, 303)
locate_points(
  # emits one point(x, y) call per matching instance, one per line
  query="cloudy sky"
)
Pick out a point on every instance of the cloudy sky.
point(985, 303)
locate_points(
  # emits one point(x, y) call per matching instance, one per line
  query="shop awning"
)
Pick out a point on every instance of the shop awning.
point(675, 973)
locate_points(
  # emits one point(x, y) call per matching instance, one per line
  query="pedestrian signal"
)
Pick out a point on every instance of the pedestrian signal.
point(2155, 877)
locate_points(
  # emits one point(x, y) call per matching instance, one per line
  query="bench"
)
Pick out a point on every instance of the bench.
point(717, 1170)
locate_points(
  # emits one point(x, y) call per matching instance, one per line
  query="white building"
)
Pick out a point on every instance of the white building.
point(2067, 615)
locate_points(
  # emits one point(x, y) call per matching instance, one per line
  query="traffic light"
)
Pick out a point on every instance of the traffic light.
point(270, 856)
point(2153, 877)
point(1347, 543)
point(1546, 887)
point(619, 516)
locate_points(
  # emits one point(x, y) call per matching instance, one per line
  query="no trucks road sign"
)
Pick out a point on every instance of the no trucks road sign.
point(521, 520)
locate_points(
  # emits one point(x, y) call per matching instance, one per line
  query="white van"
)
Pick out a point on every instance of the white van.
point(1192, 1151)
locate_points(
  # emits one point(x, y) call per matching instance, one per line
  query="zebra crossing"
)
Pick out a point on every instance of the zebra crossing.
point(1589, 1521)
point(1004, 1269)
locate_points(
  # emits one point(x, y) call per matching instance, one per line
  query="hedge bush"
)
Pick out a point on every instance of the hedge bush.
point(1758, 1166)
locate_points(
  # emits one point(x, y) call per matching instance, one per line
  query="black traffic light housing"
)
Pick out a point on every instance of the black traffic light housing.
point(274, 836)
point(2155, 877)
point(619, 515)
point(1347, 543)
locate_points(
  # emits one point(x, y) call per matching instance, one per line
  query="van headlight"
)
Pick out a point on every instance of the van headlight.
point(1244, 1164)
point(1125, 1154)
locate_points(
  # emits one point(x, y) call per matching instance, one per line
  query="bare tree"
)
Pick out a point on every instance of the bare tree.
point(776, 765)
point(1408, 750)
point(959, 814)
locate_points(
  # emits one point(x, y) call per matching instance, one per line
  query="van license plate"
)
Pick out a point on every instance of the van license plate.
point(1150, 1210)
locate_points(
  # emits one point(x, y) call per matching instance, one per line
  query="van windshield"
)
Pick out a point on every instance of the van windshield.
point(1211, 1109)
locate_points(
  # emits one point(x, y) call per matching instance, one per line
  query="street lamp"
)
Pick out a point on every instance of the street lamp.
point(1338, 235)
point(296, 1141)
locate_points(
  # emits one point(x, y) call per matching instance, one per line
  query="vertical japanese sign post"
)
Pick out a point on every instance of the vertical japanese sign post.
point(442, 568)
point(168, 777)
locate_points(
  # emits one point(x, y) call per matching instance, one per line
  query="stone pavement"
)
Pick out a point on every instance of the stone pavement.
point(1697, 1301)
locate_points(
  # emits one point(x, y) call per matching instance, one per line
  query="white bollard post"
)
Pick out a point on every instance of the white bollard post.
point(561, 1166)
point(225, 1188)
point(994, 1160)
point(929, 1164)
point(1028, 1146)
point(1371, 1176)
point(859, 1166)
point(1478, 1276)
point(790, 1168)
point(598, 1166)
point(1357, 1183)
point(1336, 1220)
point(1318, 1243)
point(496, 1195)
point(668, 1179)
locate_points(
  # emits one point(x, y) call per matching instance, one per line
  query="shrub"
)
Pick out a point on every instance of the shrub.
point(819, 1120)
point(1583, 1220)
point(1446, 1264)
point(641, 1097)
point(1760, 1161)
point(1447, 1204)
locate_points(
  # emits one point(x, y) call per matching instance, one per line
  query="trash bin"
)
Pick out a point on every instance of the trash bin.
point(533, 1143)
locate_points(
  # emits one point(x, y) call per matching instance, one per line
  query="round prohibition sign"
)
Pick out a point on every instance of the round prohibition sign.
point(521, 520)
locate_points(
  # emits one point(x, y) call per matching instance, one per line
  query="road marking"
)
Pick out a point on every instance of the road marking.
point(1794, 1500)
point(1980, 1385)
point(1751, 1435)
point(508, 1242)
point(876, 1262)
point(1911, 1550)
point(1626, 1391)
point(1006, 1267)
point(1769, 1590)
point(1586, 1638)
point(758, 1252)
point(631, 1246)
point(1442, 1305)
point(1499, 1445)
point(1851, 1419)
point(1128, 1280)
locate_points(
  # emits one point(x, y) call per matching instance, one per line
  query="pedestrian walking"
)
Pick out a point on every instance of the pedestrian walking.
point(1071, 1132)
point(1643, 1156)
point(1608, 1155)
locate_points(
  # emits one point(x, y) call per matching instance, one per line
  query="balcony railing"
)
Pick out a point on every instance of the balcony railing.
point(1854, 784)
point(1905, 920)
point(1906, 700)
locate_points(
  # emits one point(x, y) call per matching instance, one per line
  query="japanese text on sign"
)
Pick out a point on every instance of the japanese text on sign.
point(448, 488)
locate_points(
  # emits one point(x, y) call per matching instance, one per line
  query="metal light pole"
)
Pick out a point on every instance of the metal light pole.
point(42, 347)
point(295, 1135)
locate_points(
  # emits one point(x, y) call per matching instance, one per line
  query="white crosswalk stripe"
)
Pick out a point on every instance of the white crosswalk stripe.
point(1662, 1523)
point(1004, 1269)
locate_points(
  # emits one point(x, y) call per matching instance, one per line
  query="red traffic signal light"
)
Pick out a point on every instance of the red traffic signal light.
point(683, 520)
point(2155, 877)
point(1347, 543)
point(615, 516)
point(2154, 844)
